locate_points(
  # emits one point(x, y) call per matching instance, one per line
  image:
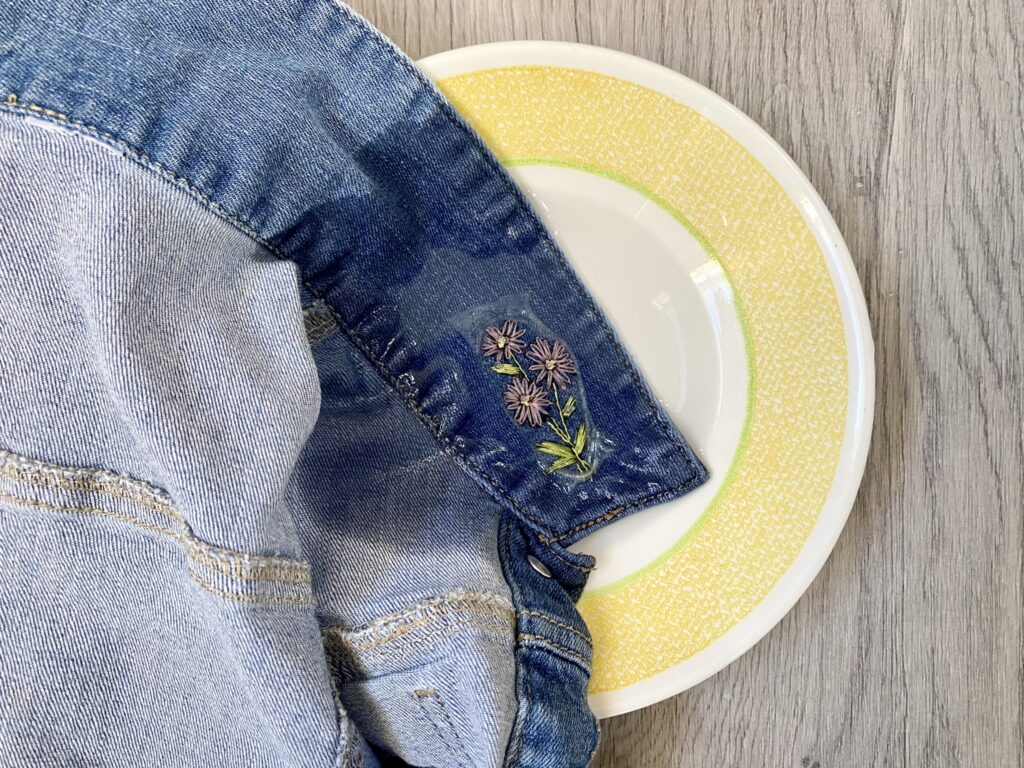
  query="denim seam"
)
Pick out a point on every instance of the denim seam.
point(465, 623)
point(554, 622)
point(488, 157)
point(173, 535)
point(457, 598)
point(433, 724)
point(255, 572)
point(91, 480)
point(542, 642)
point(343, 750)
point(106, 513)
point(319, 322)
point(469, 611)
point(351, 734)
point(452, 742)
point(566, 561)
point(13, 104)
point(611, 515)
point(597, 742)
point(36, 504)
point(299, 600)
point(22, 468)
point(517, 735)
point(347, 732)
point(237, 565)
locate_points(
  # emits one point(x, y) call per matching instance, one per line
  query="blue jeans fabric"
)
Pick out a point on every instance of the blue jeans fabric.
point(262, 499)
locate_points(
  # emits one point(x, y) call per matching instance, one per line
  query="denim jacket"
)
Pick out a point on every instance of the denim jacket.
point(300, 406)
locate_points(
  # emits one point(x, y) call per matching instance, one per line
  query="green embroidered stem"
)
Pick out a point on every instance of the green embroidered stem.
point(558, 406)
point(563, 436)
point(576, 446)
point(520, 366)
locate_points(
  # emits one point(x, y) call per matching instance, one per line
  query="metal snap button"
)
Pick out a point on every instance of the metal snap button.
point(538, 566)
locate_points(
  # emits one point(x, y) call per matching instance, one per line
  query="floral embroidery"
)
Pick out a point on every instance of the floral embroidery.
point(527, 401)
point(505, 342)
point(552, 361)
point(536, 399)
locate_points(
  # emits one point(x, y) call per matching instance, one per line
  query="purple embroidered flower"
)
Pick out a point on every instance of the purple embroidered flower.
point(527, 401)
point(505, 342)
point(551, 362)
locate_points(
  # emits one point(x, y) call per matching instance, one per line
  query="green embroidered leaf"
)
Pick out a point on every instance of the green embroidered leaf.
point(506, 369)
point(570, 406)
point(581, 439)
point(561, 463)
point(554, 449)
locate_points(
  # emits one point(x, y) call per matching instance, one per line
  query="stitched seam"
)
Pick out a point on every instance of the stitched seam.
point(343, 748)
point(456, 623)
point(488, 157)
point(650, 499)
point(454, 600)
point(90, 511)
point(494, 487)
point(189, 543)
point(544, 642)
point(565, 560)
point(257, 572)
point(351, 735)
point(433, 724)
point(528, 708)
point(441, 618)
point(155, 529)
point(458, 751)
point(304, 600)
point(319, 323)
point(514, 747)
point(556, 623)
point(13, 104)
point(238, 565)
point(88, 480)
point(246, 566)
point(23, 469)
point(443, 707)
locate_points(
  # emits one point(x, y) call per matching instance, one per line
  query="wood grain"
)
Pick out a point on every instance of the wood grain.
point(907, 116)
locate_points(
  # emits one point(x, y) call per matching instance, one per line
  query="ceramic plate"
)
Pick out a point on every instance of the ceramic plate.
point(728, 281)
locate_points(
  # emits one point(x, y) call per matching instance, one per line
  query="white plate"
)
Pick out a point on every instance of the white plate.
point(727, 279)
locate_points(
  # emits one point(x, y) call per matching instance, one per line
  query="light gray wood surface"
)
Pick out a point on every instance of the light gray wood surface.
point(907, 117)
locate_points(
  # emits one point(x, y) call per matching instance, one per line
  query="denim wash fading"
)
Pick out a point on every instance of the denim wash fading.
point(261, 502)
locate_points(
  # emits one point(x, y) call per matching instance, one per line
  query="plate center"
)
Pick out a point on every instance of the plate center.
point(672, 305)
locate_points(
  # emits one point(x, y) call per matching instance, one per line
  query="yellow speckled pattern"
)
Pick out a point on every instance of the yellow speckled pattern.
point(782, 474)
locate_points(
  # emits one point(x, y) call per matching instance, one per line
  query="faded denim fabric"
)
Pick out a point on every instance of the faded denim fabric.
point(262, 501)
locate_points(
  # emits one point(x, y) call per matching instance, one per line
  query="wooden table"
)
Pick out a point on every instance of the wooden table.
point(908, 117)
